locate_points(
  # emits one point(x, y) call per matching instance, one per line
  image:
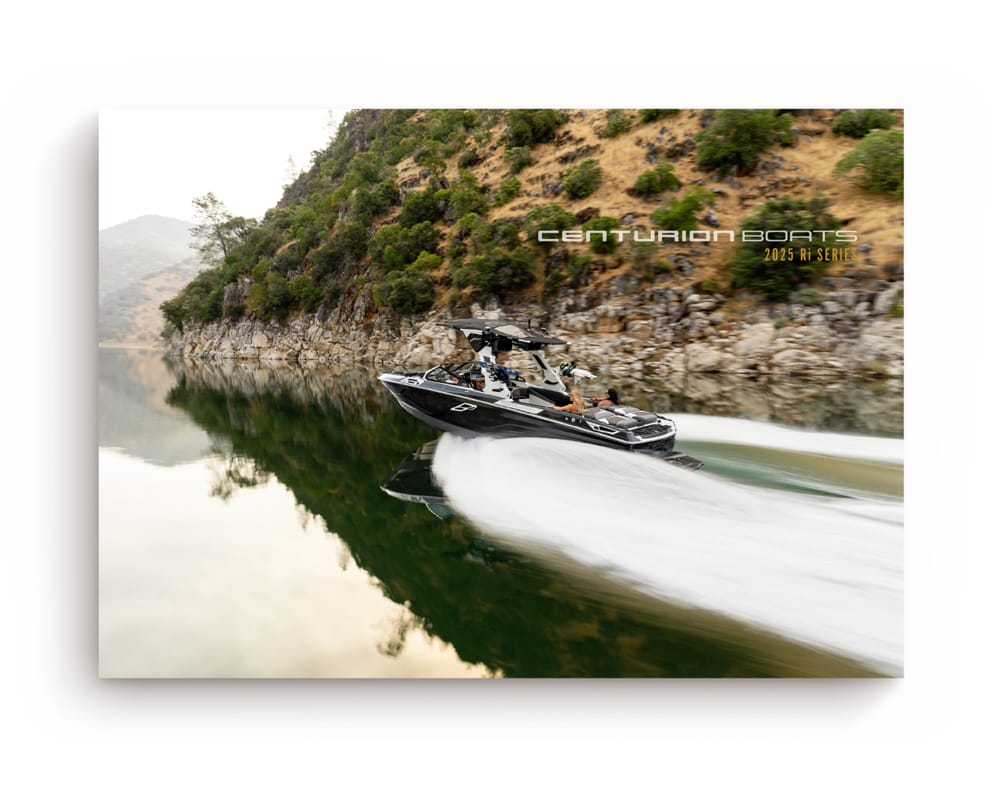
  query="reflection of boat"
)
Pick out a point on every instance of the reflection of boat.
point(413, 482)
point(484, 397)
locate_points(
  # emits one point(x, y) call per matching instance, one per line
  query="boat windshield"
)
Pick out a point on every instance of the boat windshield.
point(455, 373)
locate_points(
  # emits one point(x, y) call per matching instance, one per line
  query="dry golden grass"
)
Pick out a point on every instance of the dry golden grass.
point(807, 171)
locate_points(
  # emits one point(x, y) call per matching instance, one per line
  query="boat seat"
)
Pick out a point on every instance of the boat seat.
point(620, 422)
point(639, 415)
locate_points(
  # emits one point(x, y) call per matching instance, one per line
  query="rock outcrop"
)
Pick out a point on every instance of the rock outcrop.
point(659, 331)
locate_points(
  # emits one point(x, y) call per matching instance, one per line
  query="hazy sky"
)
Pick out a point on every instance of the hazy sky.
point(157, 160)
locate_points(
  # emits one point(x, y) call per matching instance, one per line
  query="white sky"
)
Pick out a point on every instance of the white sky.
point(155, 161)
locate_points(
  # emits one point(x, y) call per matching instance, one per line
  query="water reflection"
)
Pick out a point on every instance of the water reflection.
point(850, 406)
point(134, 416)
point(413, 481)
point(332, 440)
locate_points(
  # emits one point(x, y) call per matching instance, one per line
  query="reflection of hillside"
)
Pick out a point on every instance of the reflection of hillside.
point(133, 417)
point(842, 406)
point(332, 440)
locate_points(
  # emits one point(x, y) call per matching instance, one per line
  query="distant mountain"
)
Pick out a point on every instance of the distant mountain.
point(142, 262)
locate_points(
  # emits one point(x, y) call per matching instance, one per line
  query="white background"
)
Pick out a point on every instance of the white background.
point(156, 160)
point(61, 64)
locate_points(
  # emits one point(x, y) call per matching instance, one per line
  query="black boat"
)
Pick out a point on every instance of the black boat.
point(482, 397)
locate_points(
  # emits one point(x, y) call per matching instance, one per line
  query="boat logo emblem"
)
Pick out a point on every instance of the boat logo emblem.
point(465, 406)
point(413, 380)
point(602, 429)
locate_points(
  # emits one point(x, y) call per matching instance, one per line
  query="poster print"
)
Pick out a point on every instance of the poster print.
point(505, 393)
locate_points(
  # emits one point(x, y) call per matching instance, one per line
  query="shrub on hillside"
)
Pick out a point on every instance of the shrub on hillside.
point(256, 295)
point(681, 214)
point(466, 196)
point(469, 157)
point(506, 233)
point(430, 154)
point(582, 180)
point(527, 127)
point(305, 294)
point(470, 225)
point(879, 156)
point(517, 158)
point(858, 122)
point(278, 298)
point(369, 202)
point(736, 138)
point(420, 206)
point(424, 263)
point(406, 292)
point(601, 244)
point(656, 181)
point(199, 301)
point(394, 247)
point(572, 272)
point(498, 272)
point(442, 124)
point(508, 189)
point(350, 242)
point(756, 267)
point(616, 122)
point(261, 242)
point(547, 217)
point(286, 259)
point(649, 115)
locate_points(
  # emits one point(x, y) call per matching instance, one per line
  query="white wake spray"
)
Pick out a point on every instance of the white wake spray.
point(822, 571)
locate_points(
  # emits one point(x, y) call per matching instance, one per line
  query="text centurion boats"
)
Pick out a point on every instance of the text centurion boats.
point(483, 397)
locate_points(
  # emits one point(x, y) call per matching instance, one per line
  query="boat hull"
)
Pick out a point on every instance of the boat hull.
point(471, 413)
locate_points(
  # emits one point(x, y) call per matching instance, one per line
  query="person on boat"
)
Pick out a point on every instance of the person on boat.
point(610, 399)
point(576, 403)
point(501, 366)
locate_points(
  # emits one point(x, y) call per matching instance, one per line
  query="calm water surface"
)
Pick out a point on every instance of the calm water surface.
point(264, 520)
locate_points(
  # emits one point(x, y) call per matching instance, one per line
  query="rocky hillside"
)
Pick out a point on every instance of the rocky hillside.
point(409, 216)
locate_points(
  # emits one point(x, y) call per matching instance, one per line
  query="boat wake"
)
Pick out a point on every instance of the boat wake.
point(820, 570)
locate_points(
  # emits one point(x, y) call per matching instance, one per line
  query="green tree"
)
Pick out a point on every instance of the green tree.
point(517, 158)
point(279, 298)
point(508, 189)
point(737, 137)
point(602, 244)
point(547, 217)
point(756, 266)
point(305, 292)
point(858, 122)
point(498, 272)
point(395, 247)
point(420, 206)
point(527, 127)
point(680, 214)
point(218, 232)
point(466, 195)
point(406, 291)
point(617, 122)
point(582, 180)
point(649, 115)
point(879, 156)
point(656, 181)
